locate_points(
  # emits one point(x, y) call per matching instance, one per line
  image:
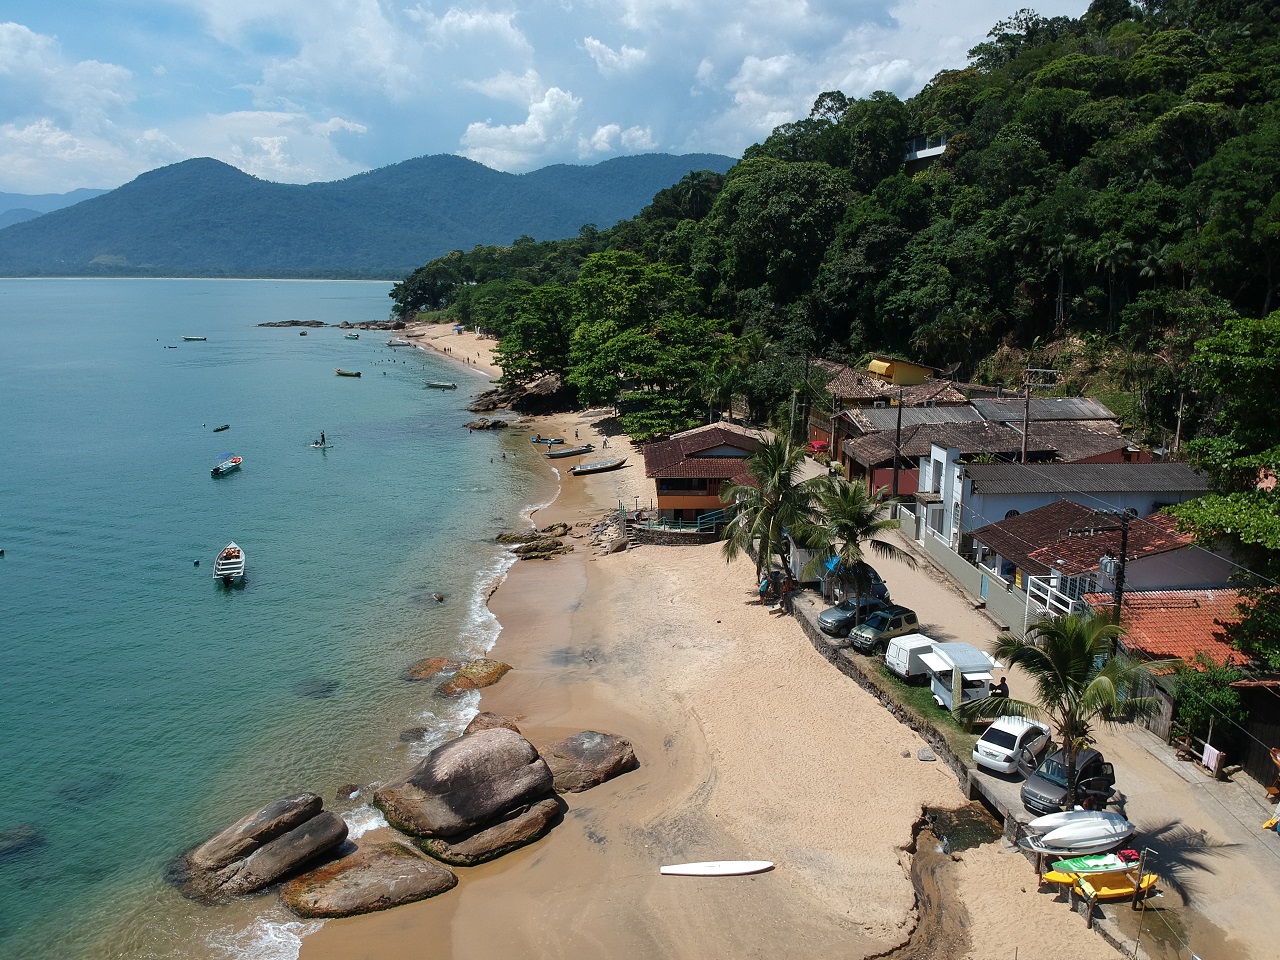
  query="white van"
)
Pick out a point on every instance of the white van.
point(904, 653)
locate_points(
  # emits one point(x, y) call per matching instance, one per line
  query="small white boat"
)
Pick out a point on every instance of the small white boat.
point(397, 342)
point(716, 868)
point(351, 336)
point(441, 385)
point(192, 339)
point(1077, 832)
point(229, 567)
point(226, 464)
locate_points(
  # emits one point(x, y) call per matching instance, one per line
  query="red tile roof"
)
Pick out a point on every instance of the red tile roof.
point(1176, 624)
point(684, 456)
point(850, 384)
point(1072, 538)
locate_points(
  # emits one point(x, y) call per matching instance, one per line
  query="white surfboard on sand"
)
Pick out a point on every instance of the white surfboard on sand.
point(716, 868)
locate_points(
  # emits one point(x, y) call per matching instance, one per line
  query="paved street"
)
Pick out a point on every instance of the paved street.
point(1205, 834)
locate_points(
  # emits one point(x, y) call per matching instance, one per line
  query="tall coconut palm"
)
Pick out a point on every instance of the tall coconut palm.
point(849, 521)
point(776, 501)
point(1079, 682)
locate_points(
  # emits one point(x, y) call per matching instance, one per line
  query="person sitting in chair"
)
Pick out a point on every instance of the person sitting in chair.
point(1000, 689)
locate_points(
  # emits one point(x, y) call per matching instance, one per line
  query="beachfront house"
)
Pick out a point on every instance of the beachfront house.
point(690, 470)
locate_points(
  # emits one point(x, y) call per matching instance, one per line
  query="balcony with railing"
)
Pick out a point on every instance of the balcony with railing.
point(922, 148)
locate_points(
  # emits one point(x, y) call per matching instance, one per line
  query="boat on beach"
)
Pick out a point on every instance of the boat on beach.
point(193, 339)
point(441, 385)
point(539, 439)
point(600, 466)
point(716, 868)
point(227, 463)
point(229, 567)
point(1077, 832)
point(347, 373)
point(397, 342)
point(569, 452)
point(351, 336)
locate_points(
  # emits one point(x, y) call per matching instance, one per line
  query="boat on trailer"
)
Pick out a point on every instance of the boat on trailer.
point(229, 567)
point(600, 466)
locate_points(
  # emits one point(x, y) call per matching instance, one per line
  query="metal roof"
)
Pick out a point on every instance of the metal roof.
point(965, 656)
point(1066, 478)
point(886, 418)
point(1043, 408)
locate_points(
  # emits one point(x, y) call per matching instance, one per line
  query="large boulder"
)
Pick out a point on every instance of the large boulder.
point(489, 843)
point(586, 759)
point(473, 676)
point(466, 783)
point(487, 721)
point(431, 667)
point(376, 877)
point(259, 849)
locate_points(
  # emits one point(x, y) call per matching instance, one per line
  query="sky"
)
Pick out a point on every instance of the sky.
point(95, 92)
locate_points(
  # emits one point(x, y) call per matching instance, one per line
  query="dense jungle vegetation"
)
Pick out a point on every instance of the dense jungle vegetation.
point(1108, 205)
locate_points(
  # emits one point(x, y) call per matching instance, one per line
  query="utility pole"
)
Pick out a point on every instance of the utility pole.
point(1026, 410)
point(897, 446)
point(1124, 554)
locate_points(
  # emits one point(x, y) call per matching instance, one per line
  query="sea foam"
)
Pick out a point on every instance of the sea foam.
point(264, 939)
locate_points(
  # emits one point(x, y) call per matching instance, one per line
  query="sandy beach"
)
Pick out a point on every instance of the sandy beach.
point(751, 746)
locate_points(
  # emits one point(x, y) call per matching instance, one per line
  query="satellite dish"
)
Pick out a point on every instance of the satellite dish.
point(951, 369)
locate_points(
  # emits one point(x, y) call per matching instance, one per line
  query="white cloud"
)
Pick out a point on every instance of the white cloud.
point(273, 145)
point(520, 145)
point(510, 87)
point(457, 27)
point(610, 61)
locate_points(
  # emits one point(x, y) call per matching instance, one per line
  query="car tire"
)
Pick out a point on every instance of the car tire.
point(879, 650)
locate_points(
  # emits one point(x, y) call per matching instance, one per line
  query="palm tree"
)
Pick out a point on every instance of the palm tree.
point(849, 520)
point(1078, 678)
point(761, 512)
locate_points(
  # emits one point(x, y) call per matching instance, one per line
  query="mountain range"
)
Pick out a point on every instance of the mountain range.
point(204, 218)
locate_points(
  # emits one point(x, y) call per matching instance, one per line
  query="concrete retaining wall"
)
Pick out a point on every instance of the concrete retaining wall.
point(673, 538)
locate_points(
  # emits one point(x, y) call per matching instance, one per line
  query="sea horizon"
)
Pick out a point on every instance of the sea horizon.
point(148, 706)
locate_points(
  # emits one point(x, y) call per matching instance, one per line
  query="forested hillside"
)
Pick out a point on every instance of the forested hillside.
point(1107, 205)
point(204, 218)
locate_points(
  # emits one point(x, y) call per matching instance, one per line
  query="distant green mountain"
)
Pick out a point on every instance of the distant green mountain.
point(38, 203)
point(205, 218)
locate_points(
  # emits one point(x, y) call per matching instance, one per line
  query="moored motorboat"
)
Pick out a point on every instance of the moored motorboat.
point(351, 336)
point(569, 452)
point(397, 342)
point(347, 373)
point(192, 339)
point(600, 466)
point(302, 333)
point(229, 567)
point(441, 385)
point(227, 463)
point(219, 429)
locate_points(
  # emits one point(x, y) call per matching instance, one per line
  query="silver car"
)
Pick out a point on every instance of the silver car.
point(1008, 741)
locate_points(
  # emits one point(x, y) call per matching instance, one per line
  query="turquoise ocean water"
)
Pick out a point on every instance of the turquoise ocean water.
point(142, 705)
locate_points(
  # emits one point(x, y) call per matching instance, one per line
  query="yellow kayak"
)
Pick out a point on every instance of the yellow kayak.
point(1115, 885)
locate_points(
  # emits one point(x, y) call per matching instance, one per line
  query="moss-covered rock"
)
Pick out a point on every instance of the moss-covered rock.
point(473, 676)
point(492, 842)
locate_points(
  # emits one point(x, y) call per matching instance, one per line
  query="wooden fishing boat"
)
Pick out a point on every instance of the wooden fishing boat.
point(441, 385)
point(397, 342)
point(347, 373)
point(219, 429)
point(569, 452)
point(226, 464)
point(229, 567)
point(600, 466)
point(537, 439)
point(192, 339)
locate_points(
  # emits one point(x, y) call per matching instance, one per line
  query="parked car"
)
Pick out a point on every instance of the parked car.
point(875, 632)
point(837, 621)
point(904, 653)
point(1008, 742)
point(816, 446)
point(1045, 791)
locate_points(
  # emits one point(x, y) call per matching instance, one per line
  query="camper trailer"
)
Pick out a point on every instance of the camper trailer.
point(958, 667)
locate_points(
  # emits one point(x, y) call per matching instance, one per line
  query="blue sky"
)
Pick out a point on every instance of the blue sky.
point(95, 92)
